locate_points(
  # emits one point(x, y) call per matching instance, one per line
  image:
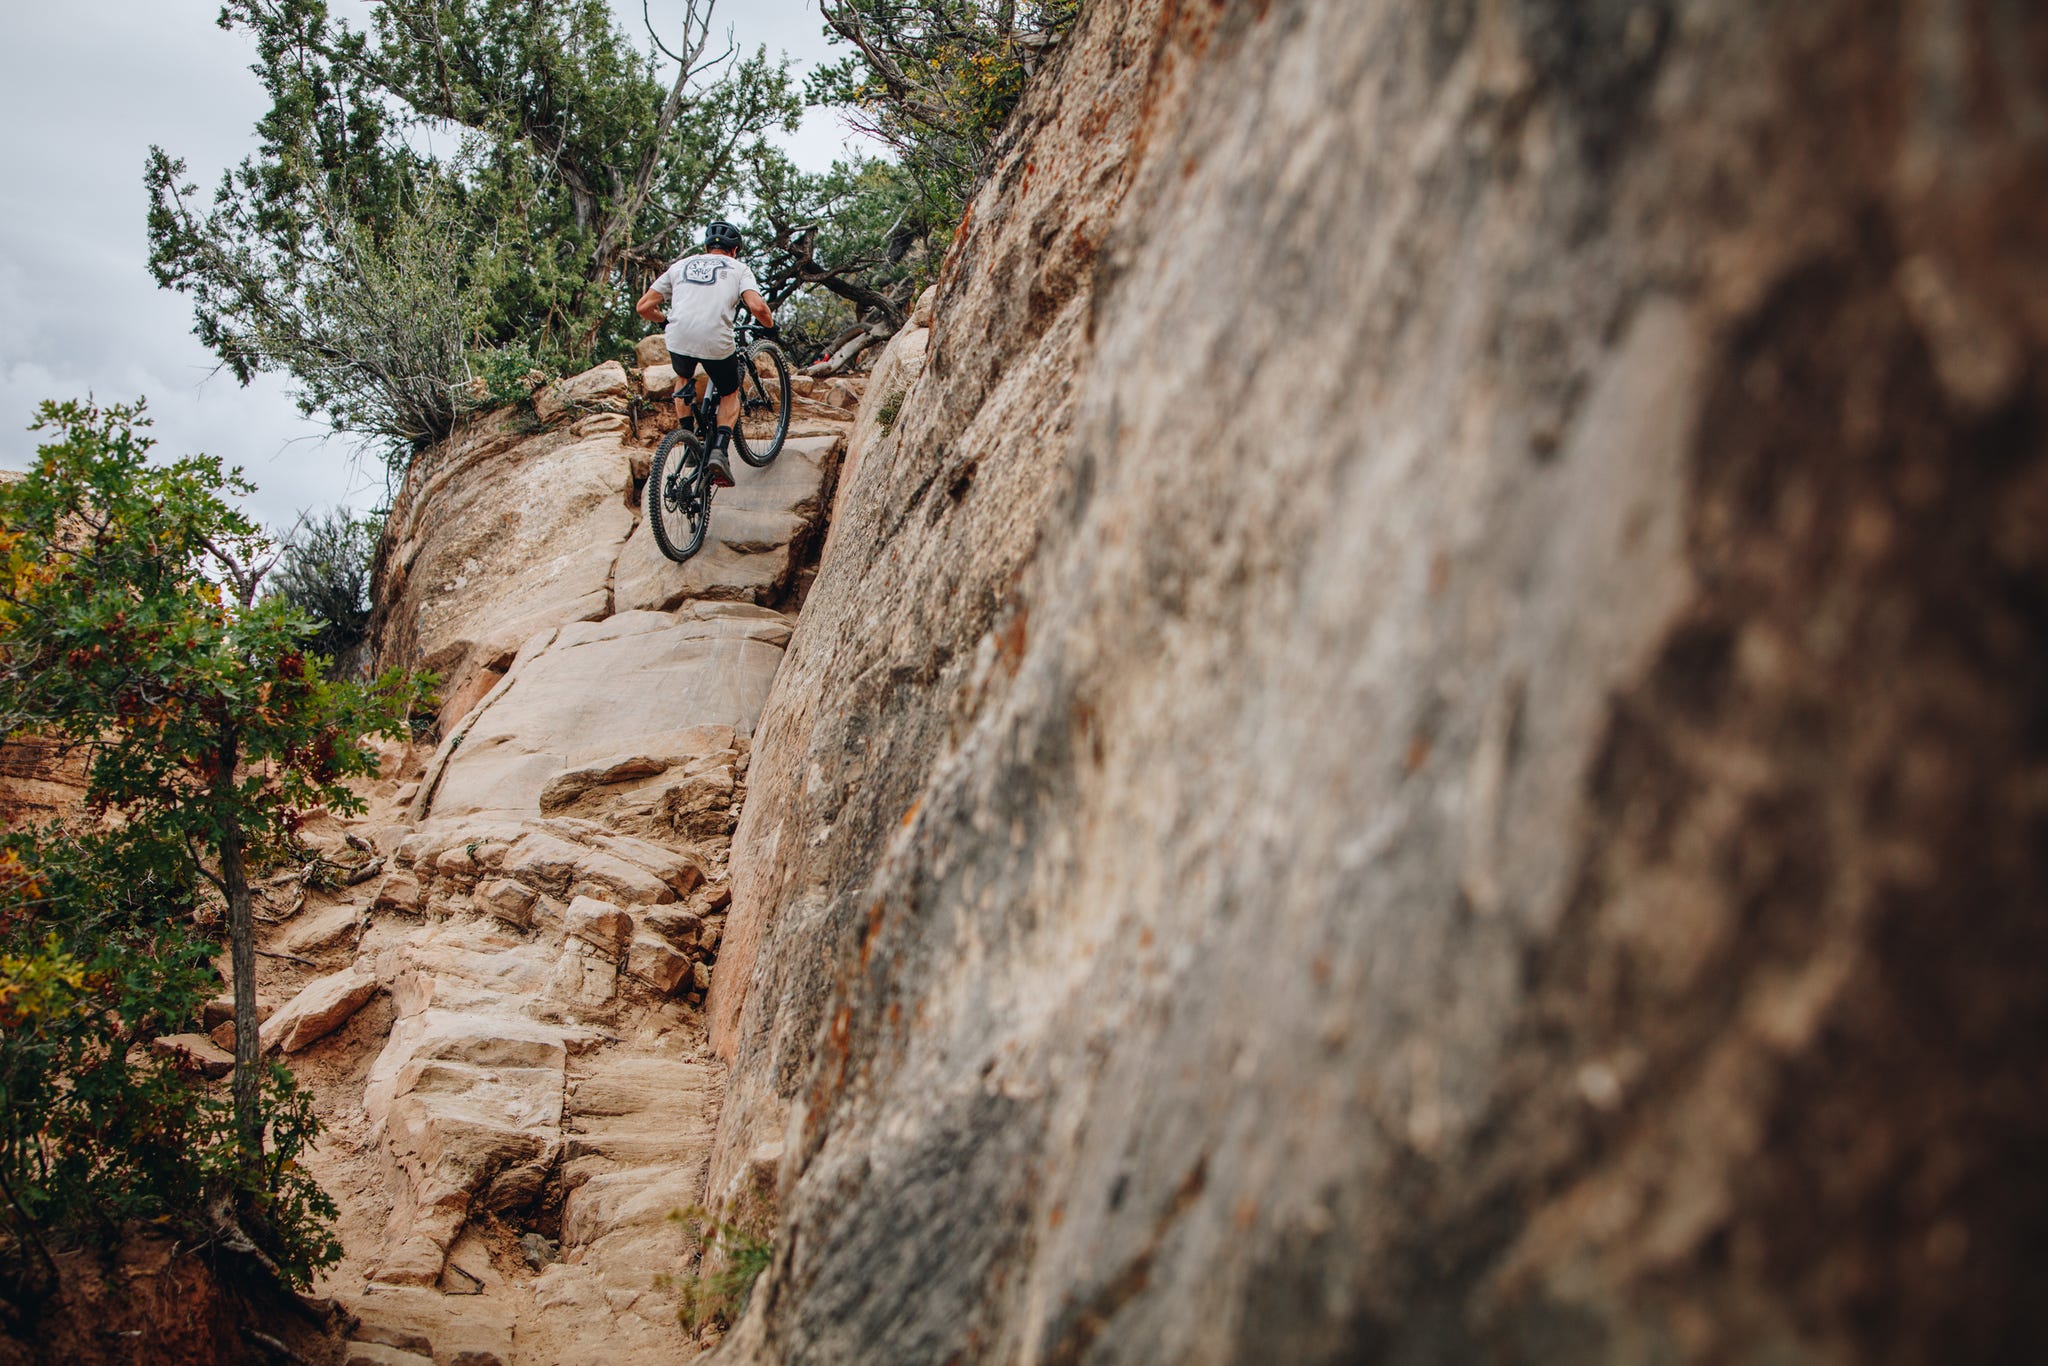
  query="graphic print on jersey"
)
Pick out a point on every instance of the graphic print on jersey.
point(701, 270)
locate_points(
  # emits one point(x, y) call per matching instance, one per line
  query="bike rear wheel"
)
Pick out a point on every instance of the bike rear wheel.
point(764, 403)
point(677, 498)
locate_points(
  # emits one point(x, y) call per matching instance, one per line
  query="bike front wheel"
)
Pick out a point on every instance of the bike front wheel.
point(764, 403)
point(677, 498)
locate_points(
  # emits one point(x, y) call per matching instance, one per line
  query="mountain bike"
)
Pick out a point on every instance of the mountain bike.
point(678, 492)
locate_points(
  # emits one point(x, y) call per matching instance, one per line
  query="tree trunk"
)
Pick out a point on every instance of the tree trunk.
point(842, 357)
point(234, 877)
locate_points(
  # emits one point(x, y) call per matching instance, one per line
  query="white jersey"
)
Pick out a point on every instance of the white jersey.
point(702, 292)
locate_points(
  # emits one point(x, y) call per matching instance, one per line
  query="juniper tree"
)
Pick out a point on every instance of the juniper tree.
point(345, 254)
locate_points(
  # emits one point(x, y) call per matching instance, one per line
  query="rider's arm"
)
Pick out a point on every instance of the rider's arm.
point(651, 306)
point(757, 306)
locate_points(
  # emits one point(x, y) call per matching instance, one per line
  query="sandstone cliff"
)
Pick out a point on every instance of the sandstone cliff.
point(1425, 742)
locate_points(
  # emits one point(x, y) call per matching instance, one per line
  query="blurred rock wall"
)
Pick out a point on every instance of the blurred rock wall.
point(1425, 741)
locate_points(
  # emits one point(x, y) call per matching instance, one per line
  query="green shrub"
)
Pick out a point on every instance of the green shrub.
point(131, 628)
point(508, 374)
point(720, 1296)
point(888, 410)
point(97, 1132)
point(810, 322)
point(936, 82)
point(567, 168)
point(325, 573)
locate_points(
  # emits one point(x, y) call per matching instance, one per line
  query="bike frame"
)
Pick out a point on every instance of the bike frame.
point(690, 495)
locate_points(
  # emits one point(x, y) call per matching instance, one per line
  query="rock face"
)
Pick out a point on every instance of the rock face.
point(604, 389)
point(637, 683)
point(761, 532)
point(1420, 738)
point(506, 538)
point(505, 534)
point(503, 1025)
point(1425, 740)
point(39, 779)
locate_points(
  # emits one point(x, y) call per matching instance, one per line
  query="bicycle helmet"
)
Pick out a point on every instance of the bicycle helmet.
point(724, 236)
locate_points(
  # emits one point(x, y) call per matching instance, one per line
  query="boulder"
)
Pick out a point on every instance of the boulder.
point(330, 928)
point(649, 352)
point(460, 1100)
point(604, 387)
point(399, 891)
point(598, 923)
point(543, 860)
point(321, 1007)
point(659, 380)
point(457, 861)
point(679, 870)
point(759, 529)
point(564, 789)
point(677, 925)
point(656, 962)
point(602, 424)
point(569, 869)
point(509, 901)
point(700, 805)
point(197, 1052)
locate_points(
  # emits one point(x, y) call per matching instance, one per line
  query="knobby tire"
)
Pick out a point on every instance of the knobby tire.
point(679, 521)
point(764, 403)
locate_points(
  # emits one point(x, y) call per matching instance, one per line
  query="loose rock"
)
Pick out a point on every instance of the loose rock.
point(599, 924)
point(605, 387)
point(507, 900)
point(196, 1052)
point(654, 961)
point(399, 891)
point(323, 1006)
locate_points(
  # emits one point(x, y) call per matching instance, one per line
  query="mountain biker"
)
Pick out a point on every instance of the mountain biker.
point(697, 294)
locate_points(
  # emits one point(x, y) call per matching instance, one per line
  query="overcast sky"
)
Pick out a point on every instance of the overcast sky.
point(79, 314)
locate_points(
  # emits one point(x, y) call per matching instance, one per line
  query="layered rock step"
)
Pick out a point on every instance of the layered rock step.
point(505, 532)
point(502, 1023)
point(634, 695)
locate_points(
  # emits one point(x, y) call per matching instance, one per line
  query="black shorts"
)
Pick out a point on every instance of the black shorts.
point(724, 372)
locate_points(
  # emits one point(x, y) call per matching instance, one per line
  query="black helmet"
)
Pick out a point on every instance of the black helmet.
point(724, 236)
